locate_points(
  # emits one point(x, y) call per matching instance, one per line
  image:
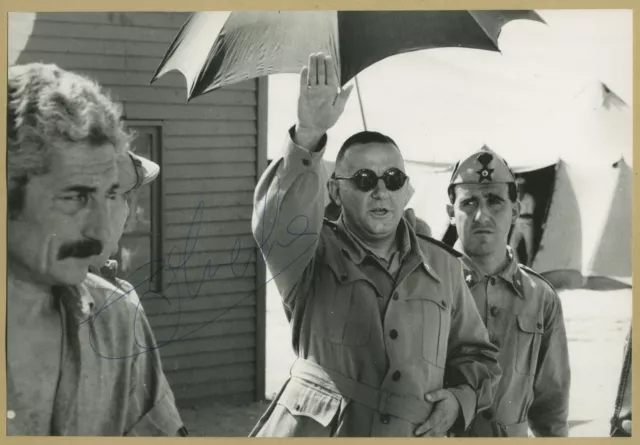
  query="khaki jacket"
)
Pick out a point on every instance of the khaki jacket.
point(523, 315)
point(362, 371)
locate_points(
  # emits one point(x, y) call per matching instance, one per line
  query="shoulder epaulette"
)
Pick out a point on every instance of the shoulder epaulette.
point(536, 274)
point(438, 243)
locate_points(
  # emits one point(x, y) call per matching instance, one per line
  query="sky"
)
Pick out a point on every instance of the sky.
point(537, 100)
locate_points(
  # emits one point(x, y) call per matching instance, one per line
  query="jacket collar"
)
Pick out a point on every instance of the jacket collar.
point(511, 272)
point(356, 251)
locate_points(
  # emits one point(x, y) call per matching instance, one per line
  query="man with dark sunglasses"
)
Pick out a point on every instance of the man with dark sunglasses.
point(388, 339)
point(521, 310)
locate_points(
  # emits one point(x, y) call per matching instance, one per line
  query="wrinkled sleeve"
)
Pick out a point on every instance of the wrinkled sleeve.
point(549, 410)
point(288, 215)
point(152, 410)
point(472, 372)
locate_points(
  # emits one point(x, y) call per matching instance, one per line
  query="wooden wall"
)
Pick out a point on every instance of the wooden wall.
point(211, 151)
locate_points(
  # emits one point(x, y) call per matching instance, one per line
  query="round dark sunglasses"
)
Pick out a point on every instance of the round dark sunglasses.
point(366, 180)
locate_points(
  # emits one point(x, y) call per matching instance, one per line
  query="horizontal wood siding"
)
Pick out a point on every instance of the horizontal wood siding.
point(207, 317)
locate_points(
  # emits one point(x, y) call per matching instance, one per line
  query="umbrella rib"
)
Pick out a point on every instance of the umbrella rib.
point(486, 32)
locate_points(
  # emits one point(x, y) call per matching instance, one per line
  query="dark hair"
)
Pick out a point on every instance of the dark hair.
point(513, 192)
point(363, 137)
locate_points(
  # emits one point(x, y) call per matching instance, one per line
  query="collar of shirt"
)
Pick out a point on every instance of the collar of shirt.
point(357, 251)
point(510, 273)
point(76, 300)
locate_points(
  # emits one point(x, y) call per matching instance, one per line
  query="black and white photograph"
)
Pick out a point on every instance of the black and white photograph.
point(320, 223)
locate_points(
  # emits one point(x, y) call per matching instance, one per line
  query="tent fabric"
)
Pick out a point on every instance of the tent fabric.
point(613, 254)
point(561, 244)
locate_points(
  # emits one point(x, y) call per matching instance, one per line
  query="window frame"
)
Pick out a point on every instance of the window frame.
point(155, 233)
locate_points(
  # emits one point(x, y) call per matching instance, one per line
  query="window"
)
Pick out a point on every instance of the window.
point(140, 245)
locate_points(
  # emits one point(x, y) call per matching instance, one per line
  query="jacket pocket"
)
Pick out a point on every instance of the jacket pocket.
point(529, 333)
point(344, 316)
point(436, 322)
point(306, 399)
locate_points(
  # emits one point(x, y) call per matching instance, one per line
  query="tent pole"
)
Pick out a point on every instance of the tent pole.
point(364, 121)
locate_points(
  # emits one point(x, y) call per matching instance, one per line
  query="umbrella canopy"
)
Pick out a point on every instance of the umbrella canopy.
point(249, 44)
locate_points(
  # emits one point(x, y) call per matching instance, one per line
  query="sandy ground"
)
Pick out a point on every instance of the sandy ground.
point(596, 322)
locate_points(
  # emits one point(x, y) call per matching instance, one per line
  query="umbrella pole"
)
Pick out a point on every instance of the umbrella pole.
point(364, 121)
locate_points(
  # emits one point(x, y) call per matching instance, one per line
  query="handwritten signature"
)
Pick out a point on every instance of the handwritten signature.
point(177, 260)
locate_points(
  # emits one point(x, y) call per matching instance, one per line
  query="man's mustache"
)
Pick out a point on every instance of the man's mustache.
point(80, 249)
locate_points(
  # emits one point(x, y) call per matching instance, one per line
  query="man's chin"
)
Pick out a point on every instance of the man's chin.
point(381, 230)
point(482, 248)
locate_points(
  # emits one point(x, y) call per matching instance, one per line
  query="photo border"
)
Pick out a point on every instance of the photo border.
point(222, 5)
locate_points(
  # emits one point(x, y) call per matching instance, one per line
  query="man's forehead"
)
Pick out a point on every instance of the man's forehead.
point(483, 189)
point(373, 154)
point(95, 166)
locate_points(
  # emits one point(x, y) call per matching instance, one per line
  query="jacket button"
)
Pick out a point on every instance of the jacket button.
point(393, 334)
point(305, 162)
point(492, 280)
point(487, 415)
point(384, 418)
point(539, 325)
point(396, 376)
point(494, 311)
point(444, 303)
point(344, 277)
point(395, 296)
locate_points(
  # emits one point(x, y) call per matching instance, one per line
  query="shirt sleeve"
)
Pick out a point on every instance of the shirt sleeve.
point(549, 411)
point(472, 372)
point(152, 410)
point(288, 215)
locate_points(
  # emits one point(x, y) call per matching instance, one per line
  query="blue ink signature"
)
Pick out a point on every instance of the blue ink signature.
point(176, 265)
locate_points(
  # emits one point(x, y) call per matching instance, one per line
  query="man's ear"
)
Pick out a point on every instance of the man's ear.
point(451, 214)
point(410, 192)
point(334, 191)
point(515, 212)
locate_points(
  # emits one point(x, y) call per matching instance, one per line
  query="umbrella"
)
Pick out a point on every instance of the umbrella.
point(212, 53)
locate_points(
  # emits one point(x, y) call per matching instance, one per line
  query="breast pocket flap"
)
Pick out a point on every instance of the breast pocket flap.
point(438, 300)
point(530, 325)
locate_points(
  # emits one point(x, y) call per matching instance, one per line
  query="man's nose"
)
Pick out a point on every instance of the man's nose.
point(381, 190)
point(481, 214)
point(98, 223)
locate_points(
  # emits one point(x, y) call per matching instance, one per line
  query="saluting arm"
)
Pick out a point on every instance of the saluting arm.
point(288, 212)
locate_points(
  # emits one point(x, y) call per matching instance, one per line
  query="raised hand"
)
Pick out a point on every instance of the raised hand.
point(321, 102)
